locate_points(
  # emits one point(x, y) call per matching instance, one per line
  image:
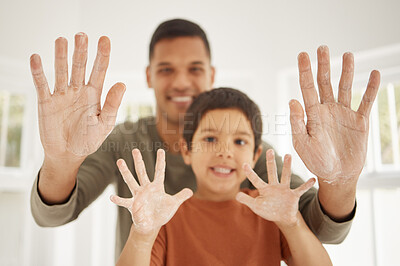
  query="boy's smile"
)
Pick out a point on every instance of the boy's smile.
point(222, 171)
point(223, 141)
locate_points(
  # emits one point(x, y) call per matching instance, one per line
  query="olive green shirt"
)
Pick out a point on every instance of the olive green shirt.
point(99, 170)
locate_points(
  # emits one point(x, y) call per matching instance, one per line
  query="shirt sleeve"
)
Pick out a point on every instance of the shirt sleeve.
point(51, 215)
point(94, 175)
point(326, 230)
point(159, 251)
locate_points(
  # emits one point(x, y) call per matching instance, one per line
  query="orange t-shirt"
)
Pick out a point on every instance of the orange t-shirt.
point(219, 233)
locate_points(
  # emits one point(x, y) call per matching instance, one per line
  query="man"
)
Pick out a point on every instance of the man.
point(78, 165)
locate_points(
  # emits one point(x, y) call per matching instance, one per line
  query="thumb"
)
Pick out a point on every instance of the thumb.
point(245, 199)
point(299, 130)
point(304, 187)
point(297, 118)
point(183, 195)
point(113, 101)
point(126, 203)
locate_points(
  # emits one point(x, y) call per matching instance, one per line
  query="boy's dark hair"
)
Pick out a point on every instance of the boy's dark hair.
point(174, 28)
point(222, 98)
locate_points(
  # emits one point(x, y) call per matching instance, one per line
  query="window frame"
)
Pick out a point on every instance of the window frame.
point(15, 78)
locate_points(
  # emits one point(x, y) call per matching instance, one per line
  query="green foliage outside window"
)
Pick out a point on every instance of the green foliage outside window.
point(384, 119)
point(11, 133)
point(384, 123)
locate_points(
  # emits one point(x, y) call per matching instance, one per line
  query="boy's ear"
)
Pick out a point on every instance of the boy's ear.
point(257, 155)
point(185, 151)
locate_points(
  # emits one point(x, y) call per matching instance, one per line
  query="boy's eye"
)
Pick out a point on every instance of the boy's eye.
point(209, 139)
point(240, 142)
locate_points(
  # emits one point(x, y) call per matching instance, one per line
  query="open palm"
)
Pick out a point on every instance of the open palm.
point(71, 120)
point(276, 201)
point(149, 206)
point(333, 143)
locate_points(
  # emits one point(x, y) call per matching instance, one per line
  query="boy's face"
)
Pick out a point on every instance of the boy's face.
point(179, 70)
point(221, 144)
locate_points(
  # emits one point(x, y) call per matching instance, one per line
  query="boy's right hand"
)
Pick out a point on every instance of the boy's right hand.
point(276, 201)
point(149, 206)
point(72, 123)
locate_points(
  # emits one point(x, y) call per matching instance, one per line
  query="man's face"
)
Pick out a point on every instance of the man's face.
point(222, 143)
point(179, 70)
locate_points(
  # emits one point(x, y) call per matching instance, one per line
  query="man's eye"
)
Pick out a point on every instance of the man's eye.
point(195, 69)
point(165, 70)
point(210, 139)
point(240, 142)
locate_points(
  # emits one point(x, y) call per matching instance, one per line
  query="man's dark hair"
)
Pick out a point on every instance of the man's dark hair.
point(174, 28)
point(222, 98)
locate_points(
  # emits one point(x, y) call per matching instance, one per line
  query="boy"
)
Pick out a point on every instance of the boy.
point(222, 142)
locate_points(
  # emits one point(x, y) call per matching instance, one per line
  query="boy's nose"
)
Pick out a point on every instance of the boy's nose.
point(224, 150)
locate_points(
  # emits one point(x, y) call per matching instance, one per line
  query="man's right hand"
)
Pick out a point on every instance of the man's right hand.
point(72, 123)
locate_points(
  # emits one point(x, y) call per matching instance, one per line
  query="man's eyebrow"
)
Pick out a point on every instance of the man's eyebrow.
point(163, 64)
point(168, 64)
point(197, 63)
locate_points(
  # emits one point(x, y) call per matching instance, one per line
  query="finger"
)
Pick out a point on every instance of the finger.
point(304, 187)
point(79, 60)
point(39, 79)
point(257, 182)
point(286, 170)
point(297, 119)
point(346, 80)
point(370, 94)
point(299, 130)
point(324, 75)
point(310, 95)
point(61, 65)
point(100, 64)
point(113, 100)
point(127, 176)
point(183, 195)
point(140, 167)
point(271, 167)
point(121, 201)
point(160, 167)
point(245, 199)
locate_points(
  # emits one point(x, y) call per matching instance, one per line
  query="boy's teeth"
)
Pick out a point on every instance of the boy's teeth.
point(182, 99)
point(222, 170)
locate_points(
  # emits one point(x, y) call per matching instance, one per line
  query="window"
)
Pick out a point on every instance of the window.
point(20, 151)
point(389, 121)
point(134, 111)
point(11, 122)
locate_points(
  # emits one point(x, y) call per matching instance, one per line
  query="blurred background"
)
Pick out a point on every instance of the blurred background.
point(254, 48)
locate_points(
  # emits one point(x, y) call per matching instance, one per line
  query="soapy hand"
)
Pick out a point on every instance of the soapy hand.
point(72, 123)
point(276, 201)
point(149, 206)
point(333, 143)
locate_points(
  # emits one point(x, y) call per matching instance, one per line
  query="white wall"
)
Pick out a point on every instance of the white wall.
point(252, 42)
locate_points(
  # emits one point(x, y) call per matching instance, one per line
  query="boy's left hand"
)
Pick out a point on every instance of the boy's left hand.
point(276, 202)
